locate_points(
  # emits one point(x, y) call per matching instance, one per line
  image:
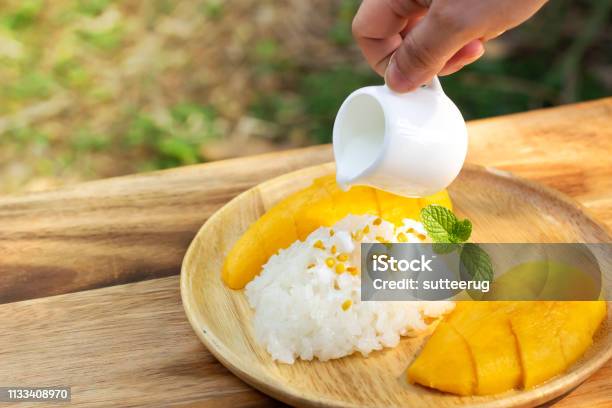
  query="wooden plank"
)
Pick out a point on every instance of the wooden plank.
point(131, 345)
point(122, 229)
point(127, 229)
point(126, 345)
point(568, 148)
point(596, 392)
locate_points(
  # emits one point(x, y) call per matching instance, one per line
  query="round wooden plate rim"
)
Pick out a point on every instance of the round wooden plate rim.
point(566, 200)
point(541, 394)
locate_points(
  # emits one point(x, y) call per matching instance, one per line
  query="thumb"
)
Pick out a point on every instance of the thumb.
point(424, 51)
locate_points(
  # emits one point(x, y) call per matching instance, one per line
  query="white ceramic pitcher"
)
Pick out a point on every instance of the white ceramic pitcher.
point(412, 144)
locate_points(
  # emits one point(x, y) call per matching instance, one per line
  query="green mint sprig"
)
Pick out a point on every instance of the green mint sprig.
point(476, 262)
point(443, 226)
point(450, 234)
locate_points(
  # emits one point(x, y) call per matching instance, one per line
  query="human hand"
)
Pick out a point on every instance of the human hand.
point(431, 37)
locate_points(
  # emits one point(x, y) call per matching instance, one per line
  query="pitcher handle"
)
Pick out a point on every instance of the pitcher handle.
point(434, 85)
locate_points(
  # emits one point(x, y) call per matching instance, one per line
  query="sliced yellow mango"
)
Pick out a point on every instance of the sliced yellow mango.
point(358, 200)
point(278, 227)
point(578, 323)
point(245, 259)
point(485, 326)
point(594, 312)
point(498, 367)
point(295, 217)
point(445, 363)
point(540, 349)
point(316, 210)
point(395, 208)
point(511, 344)
point(440, 198)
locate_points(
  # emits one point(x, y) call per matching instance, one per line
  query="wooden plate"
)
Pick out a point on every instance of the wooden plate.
point(502, 208)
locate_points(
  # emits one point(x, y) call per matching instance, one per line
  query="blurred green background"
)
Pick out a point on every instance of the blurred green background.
point(98, 88)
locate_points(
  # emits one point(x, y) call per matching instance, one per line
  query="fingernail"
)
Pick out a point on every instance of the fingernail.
point(477, 56)
point(396, 80)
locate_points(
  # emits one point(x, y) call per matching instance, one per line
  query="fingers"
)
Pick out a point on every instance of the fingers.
point(378, 25)
point(466, 55)
point(427, 37)
point(378, 52)
point(427, 48)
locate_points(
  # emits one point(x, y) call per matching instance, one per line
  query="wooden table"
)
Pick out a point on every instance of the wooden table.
point(89, 291)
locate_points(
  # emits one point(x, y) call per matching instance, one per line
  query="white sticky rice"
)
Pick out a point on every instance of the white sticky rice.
point(306, 306)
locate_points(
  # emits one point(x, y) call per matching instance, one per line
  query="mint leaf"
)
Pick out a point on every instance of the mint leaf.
point(476, 263)
point(443, 248)
point(438, 222)
point(443, 226)
point(462, 231)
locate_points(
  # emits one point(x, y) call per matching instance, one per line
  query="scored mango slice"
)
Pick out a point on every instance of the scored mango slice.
point(321, 204)
point(510, 344)
point(539, 345)
point(278, 229)
point(315, 210)
point(358, 200)
point(485, 326)
point(573, 332)
point(249, 243)
point(394, 208)
point(445, 363)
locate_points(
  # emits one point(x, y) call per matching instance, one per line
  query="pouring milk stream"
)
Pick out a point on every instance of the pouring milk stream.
point(412, 144)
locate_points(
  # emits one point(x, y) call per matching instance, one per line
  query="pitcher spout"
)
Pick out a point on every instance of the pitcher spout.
point(343, 182)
